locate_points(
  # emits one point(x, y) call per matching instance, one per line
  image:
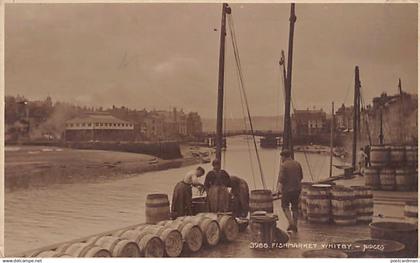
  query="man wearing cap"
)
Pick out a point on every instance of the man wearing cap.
point(289, 183)
point(216, 185)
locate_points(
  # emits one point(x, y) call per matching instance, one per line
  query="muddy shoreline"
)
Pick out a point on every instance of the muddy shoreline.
point(39, 167)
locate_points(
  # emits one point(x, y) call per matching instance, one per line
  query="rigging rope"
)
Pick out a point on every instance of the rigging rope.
point(365, 117)
point(246, 127)
point(293, 108)
point(239, 68)
point(277, 152)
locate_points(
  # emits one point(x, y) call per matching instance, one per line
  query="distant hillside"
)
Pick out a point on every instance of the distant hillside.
point(259, 123)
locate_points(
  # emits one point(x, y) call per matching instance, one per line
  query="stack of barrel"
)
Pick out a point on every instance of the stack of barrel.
point(325, 204)
point(139, 241)
point(263, 225)
point(203, 230)
point(158, 237)
point(392, 168)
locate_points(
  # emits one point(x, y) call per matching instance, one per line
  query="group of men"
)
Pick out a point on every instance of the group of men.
point(220, 199)
point(216, 185)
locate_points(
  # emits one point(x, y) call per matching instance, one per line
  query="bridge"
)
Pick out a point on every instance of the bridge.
point(231, 133)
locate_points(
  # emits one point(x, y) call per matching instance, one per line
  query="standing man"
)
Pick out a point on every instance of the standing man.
point(367, 152)
point(182, 196)
point(240, 196)
point(289, 183)
point(216, 185)
point(362, 157)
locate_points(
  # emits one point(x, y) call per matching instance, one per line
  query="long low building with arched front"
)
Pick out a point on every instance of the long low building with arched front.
point(98, 127)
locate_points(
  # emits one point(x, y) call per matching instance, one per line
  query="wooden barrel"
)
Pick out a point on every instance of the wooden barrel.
point(343, 206)
point(319, 203)
point(411, 155)
point(171, 237)
point(371, 176)
point(263, 229)
point(157, 208)
point(303, 206)
point(387, 178)
point(209, 227)
point(324, 253)
point(397, 155)
point(411, 213)
point(83, 249)
point(119, 247)
point(199, 205)
point(405, 233)
point(363, 202)
point(380, 248)
point(191, 234)
point(261, 200)
point(150, 245)
point(227, 223)
point(379, 156)
point(404, 179)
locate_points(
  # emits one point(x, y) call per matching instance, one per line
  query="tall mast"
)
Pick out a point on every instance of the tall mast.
point(356, 113)
point(220, 93)
point(402, 135)
point(332, 137)
point(287, 133)
point(381, 131)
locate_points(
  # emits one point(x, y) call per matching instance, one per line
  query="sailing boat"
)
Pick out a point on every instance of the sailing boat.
point(287, 79)
point(217, 192)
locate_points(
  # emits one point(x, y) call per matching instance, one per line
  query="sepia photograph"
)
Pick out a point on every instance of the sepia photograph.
point(210, 130)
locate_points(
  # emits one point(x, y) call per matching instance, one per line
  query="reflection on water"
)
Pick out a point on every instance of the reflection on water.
point(40, 217)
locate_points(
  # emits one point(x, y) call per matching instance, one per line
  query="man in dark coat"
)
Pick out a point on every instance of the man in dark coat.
point(216, 184)
point(240, 196)
point(289, 183)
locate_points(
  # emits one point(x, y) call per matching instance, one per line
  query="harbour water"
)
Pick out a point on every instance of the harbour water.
point(58, 213)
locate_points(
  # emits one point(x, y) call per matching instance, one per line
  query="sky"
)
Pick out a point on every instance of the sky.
point(159, 56)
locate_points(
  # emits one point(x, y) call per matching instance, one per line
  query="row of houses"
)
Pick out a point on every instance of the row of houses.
point(399, 119)
point(118, 126)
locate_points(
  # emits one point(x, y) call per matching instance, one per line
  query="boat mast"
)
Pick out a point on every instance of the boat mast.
point(332, 137)
point(381, 131)
point(402, 134)
point(356, 113)
point(287, 131)
point(219, 129)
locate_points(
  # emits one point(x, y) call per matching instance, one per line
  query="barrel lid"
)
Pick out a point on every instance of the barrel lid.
point(156, 196)
point(199, 199)
point(259, 213)
point(261, 191)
